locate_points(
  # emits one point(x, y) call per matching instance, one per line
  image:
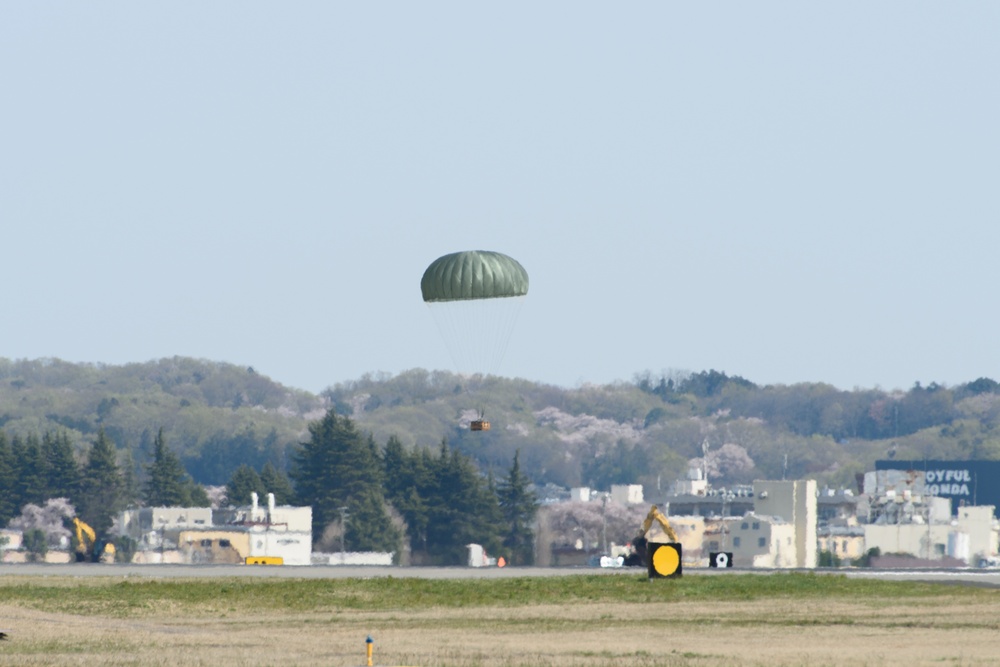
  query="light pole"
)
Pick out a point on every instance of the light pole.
point(163, 529)
point(604, 525)
point(727, 497)
point(344, 516)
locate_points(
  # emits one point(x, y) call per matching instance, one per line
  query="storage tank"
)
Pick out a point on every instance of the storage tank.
point(958, 545)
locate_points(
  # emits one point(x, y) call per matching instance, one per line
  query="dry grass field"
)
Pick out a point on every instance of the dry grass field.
point(585, 621)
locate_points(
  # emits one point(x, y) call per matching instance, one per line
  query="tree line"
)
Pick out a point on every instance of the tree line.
point(424, 505)
point(35, 469)
point(820, 409)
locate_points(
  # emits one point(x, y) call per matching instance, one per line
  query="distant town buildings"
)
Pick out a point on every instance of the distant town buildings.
point(899, 517)
point(907, 515)
point(232, 535)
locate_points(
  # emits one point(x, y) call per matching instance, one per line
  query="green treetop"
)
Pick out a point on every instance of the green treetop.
point(518, 507)
point(276, 482)
point(244, 482)
point(338, 473)
point(101, 485)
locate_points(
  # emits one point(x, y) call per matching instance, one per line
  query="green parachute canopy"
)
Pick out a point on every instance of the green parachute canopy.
point(473, 274)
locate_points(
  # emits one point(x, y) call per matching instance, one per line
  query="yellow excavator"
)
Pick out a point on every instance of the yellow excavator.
point(88, 547)
point(640, 555)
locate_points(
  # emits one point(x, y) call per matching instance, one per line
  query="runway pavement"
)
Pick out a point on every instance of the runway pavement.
point(972, 577)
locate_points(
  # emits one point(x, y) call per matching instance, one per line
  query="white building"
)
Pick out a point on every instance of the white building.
point(694, 485)
point(160, 527)
point(970, 537)
point(10, 539)
point(277, 530)
point(793, 502)
point(626, 494)
point(210, 536)
point(759, 541)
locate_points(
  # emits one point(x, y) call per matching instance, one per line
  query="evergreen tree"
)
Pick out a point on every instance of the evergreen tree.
point(30, 471)
point(276, 482)
point(36, 544)
point(398, 468)
point(223, 453)
point(166, 486)
point(63, 471)
point(403, 474)
point(518, 507)
point(369, 527)
point(131, 491)
point(101, 485)
point(338, 468)
point(8, 509)
point(243, 482)
point(461, 510)
point(195, 494)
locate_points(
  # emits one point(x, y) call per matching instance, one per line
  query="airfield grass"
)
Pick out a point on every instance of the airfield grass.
point(586, 620)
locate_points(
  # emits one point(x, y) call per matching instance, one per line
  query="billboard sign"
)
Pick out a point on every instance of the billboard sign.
point(964, 482)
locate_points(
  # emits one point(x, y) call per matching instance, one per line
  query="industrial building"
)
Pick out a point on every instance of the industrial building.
point(201, 535)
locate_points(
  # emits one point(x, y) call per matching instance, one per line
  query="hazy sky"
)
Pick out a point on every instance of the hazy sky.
point(785, 191)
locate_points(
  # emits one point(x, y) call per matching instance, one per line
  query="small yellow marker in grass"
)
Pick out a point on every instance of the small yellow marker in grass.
point(370, 643)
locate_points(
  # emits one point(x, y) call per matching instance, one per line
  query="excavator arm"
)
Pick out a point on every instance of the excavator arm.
point(639, 555)
point(656, 515)
point(86, 538)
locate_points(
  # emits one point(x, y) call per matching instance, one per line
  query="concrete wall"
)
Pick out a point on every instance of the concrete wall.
point(353, 558)
point(929, 541)
point(51, 556)
point(168, 556)
point(973, 535)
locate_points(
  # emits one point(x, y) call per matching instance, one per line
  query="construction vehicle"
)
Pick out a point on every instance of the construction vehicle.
point(88, 547)
point(640, 551)
point(264, 560)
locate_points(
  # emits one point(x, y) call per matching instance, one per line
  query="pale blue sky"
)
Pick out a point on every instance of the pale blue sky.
point(785, 191)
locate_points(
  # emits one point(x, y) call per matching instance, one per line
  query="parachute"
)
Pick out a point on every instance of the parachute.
point(473, 275)
point(474, 298)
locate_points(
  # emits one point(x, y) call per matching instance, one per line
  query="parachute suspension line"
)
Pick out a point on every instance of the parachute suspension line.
point(477, 337)
point(477, 333)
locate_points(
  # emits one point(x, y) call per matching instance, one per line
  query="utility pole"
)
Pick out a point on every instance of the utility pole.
point(604, 525)
point(344, 516)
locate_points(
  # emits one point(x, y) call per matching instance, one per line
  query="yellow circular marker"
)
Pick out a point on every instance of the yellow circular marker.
point(666, 560)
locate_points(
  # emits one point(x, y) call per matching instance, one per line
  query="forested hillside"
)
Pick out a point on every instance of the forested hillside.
point(648, 430)
point(217, 417)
